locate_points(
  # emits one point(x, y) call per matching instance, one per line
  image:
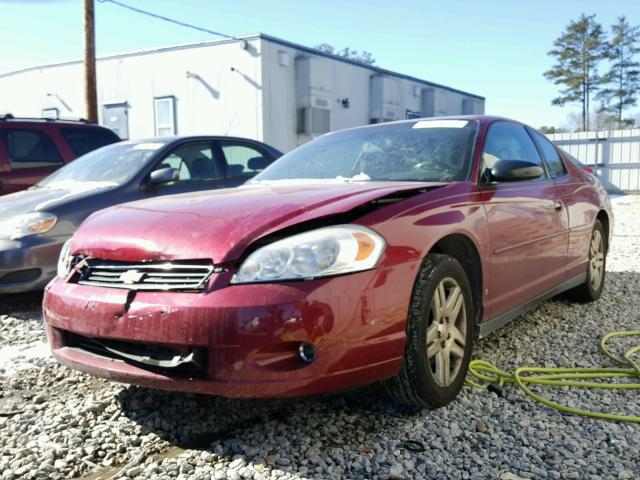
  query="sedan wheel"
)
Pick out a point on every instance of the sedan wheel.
point(591, 289)
point(439, 335)
point(446, 334)
point(596, 262)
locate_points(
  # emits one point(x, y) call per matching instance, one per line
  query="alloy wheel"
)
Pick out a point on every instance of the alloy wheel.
point(446, 331)
point(596, 260)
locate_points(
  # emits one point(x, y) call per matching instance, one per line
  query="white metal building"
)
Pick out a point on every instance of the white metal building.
point(256, 86)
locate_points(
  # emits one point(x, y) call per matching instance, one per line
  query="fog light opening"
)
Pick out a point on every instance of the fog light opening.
point(307, 352)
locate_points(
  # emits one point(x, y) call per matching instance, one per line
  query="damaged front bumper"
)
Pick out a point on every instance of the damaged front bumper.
point(236, 341)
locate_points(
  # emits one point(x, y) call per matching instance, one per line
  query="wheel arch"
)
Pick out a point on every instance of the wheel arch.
point(463, 249)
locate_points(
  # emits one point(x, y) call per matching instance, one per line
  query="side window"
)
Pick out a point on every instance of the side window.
point(174, 161)
point(194, 162)
point(31, 149)
point(508, 141)
point(243, 160)
point(84, 140)
point(551, 157)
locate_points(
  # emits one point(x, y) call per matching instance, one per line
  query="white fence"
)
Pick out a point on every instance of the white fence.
point(615, 154)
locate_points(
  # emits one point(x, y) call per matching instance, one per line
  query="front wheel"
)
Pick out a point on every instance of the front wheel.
point(591, 289)
point(439, 336)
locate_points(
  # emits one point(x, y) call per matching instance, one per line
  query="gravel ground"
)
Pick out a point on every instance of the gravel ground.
point(56, 423)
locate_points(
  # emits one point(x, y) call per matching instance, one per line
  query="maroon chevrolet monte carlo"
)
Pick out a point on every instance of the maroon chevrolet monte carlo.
point(375, 254)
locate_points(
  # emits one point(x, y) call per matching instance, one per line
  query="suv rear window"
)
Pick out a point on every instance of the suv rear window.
point(30, 149)
point(84, 140)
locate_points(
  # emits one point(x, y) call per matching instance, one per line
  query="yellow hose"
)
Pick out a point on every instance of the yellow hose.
point(480, 370)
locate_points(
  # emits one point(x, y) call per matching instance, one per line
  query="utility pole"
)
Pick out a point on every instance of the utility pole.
point(90, 95)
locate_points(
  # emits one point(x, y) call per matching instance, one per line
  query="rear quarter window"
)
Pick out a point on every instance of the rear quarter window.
point(551, 156)
point(244, 160)
point(84, 140)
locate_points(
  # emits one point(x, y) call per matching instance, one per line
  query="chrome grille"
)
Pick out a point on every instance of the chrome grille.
point(174, 275)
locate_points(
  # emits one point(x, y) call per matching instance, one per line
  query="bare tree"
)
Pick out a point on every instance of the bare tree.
point(348, 53)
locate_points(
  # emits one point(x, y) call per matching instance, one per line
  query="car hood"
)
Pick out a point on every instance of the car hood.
point(45, 199)
point(219, 224)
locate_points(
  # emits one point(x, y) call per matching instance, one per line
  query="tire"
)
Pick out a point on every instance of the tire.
point(591, 289)
point(421, 381)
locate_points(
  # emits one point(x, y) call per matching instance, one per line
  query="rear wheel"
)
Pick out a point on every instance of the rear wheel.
point(439, 336)
point(591, 289)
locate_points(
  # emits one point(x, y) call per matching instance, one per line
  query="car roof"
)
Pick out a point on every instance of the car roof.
point(479, 118)
point(166, 142)
point(482, 119)
point(8, 119)
point(176, 138)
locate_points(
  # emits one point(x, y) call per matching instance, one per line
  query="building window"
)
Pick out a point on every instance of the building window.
point(165, 118)
point(51, 113)
point(412, 114)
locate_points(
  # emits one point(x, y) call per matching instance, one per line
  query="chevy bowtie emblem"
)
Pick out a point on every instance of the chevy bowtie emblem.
point(131, 276)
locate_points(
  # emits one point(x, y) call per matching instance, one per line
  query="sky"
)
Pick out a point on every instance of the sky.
point(494, 48)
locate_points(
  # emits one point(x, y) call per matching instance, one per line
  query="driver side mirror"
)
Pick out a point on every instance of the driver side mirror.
point(163, 175)
point(514, 171)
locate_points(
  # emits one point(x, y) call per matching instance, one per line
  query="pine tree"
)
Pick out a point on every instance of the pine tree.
point(578, 51)
point(623, 78)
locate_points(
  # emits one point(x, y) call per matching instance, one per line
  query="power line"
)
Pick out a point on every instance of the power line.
point(167, 19)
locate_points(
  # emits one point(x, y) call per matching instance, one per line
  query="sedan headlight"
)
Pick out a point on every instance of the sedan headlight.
point(27, 224)
point(319, 253)
point(64, 260)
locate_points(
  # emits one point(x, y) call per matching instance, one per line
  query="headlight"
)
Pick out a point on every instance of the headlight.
point(318, 253)
point(27, 224)
point(64, 260)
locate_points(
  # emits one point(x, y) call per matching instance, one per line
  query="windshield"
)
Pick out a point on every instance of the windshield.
point(111, 165)
point(422, 151)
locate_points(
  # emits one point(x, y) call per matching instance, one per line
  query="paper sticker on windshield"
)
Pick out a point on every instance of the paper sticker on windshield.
point(441, 124)
point(147, 146)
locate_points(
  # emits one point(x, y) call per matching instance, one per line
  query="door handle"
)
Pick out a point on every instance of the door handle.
point(557, 206)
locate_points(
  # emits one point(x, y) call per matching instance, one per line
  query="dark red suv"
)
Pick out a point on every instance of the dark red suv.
point(31, 149)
